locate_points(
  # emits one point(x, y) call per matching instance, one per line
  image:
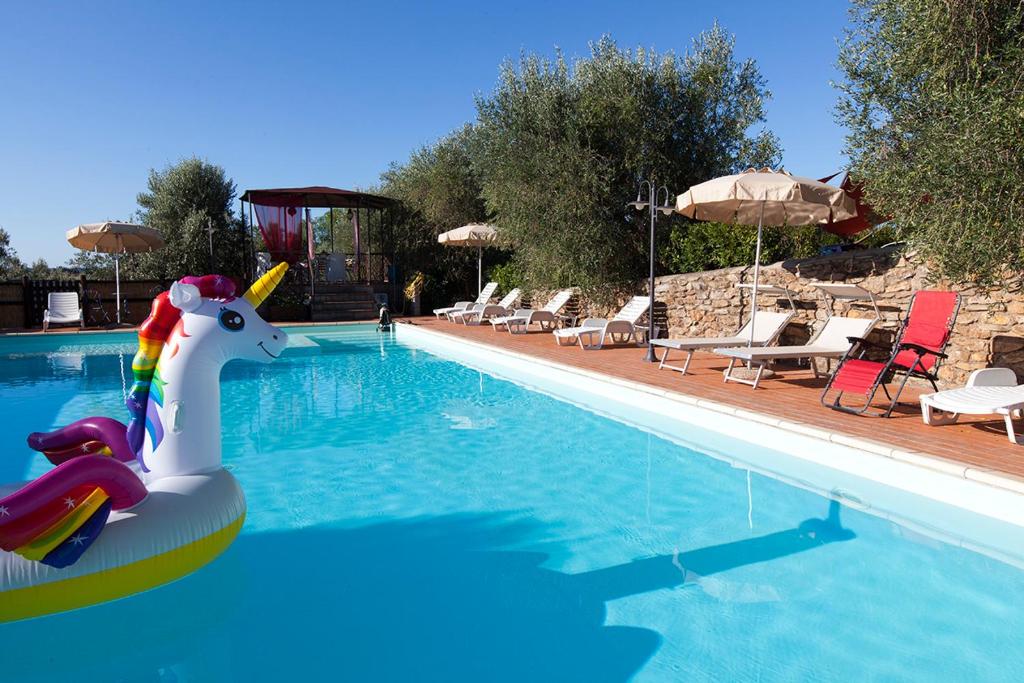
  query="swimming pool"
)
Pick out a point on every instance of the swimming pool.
point(412, 518)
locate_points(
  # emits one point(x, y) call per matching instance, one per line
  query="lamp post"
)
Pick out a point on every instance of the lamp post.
point(651, 204)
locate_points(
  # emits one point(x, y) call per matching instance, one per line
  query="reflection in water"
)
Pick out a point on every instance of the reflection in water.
point(437, 598)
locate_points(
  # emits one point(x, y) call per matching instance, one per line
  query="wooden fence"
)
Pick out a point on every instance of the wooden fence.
point(22, 302)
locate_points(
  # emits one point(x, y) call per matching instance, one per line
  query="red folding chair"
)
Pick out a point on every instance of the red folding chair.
point(917, 352)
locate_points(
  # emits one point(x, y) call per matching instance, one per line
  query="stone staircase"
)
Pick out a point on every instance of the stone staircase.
point(337, 303)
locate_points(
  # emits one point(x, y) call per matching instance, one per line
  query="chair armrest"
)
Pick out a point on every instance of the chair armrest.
point(922, 350)
point(865, 342)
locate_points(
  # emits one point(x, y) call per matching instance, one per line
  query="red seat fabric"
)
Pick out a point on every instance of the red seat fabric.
point(928, 325)
point(857, 375)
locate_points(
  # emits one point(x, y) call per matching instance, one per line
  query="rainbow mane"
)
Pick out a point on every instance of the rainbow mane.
point(153, 335)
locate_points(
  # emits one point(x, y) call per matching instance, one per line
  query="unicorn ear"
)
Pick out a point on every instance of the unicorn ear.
point(185, 297)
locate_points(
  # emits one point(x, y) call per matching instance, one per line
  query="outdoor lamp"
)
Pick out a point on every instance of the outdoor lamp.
point(667, 209)
point(639, 204)
point(653, 207)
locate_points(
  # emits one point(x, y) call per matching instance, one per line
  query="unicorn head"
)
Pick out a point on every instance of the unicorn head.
point(193, 330)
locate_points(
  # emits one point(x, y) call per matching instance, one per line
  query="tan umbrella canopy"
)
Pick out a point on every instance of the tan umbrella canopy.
point(115, 238)
point(765, 197)
point(477, 235)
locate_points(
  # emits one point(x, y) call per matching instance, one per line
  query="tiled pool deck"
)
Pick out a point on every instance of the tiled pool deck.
point(976, 448)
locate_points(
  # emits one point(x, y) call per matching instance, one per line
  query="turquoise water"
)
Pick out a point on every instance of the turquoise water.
point(411, 519)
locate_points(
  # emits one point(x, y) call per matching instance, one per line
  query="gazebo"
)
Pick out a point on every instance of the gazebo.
point(283, 219)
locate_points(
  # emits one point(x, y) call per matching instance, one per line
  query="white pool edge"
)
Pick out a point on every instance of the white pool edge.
point(986, 492)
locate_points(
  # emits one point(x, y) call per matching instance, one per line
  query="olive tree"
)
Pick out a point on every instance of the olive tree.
point(560, 147)
point(184, 202)
point(933, 97)
point(439, 190)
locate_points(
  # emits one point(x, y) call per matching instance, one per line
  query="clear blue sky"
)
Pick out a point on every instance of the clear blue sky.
point(286, 94)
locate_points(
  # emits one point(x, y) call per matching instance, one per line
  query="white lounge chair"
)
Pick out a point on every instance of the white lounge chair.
point(485, 295)
point(992, 391)
point(767, 328)
point(831, 342)
point(477, 313)
point(519, 322)
point(62, 308)
point(593, 332)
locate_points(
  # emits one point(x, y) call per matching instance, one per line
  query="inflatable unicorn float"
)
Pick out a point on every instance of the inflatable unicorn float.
point(131, 507)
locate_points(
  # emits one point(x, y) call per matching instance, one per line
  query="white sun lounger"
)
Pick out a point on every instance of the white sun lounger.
point(767, 328)
point(831, 342)
point(477, 313)
point(593, 333)
point(62, 308)
point(519, 322)
point(485, 295)
point(992, 391)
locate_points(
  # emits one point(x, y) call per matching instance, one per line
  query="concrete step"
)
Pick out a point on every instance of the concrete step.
point(343, 297)
point(343, 289)
point(343, 314)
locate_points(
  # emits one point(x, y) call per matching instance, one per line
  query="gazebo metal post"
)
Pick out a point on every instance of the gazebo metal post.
point(245, 249)
point(252, 241)
point(306, 224)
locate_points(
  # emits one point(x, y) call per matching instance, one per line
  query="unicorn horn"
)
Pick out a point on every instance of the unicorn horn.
point(262, 288)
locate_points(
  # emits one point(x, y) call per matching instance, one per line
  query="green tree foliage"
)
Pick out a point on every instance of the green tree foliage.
point(10, 265)
point(933, 97)
point(439, 190)
point(93, 265)
point(695, 247)
point(344, 238)
point(559, 149)
point(184, 201)
point(41, 270)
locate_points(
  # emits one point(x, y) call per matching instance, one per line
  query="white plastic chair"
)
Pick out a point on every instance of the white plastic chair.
point(519, 322)
point(485, 295)
point(991, 391)
point(477, 313)
point(62, 308)
point(593, 332)
point(767, 328)
point(831, 343)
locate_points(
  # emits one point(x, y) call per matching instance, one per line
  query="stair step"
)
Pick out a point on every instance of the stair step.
point(343, 298)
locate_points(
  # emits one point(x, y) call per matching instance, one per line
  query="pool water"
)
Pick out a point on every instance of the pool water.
point(412, 519)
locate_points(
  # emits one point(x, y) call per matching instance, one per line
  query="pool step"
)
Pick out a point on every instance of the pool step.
point(336, 303)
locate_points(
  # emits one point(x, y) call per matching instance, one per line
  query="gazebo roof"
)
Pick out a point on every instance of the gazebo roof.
point(317, 197)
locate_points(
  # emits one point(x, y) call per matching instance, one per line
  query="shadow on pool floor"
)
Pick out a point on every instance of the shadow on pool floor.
point(431, 598)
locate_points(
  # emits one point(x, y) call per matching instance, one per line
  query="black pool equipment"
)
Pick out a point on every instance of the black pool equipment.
point(384, 321)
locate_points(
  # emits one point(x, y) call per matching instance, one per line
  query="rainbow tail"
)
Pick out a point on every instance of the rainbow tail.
point(55, 518)
point(89, 436)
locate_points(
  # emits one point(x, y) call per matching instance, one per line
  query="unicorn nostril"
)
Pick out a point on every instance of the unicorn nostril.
point(274, 336)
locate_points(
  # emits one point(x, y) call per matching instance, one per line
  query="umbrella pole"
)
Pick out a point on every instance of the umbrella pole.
point(479, 270)
point(757, 275)
point(117, 286)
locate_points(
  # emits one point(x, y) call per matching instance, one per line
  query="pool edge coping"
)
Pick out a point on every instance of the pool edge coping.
point(919, 459)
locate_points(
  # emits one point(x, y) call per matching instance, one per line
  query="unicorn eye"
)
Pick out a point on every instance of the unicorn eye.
point(232, 321)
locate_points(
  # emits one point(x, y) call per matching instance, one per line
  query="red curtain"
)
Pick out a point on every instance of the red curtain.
point(281, 227)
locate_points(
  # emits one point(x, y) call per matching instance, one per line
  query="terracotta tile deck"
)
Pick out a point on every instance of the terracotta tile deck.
point(793, 395)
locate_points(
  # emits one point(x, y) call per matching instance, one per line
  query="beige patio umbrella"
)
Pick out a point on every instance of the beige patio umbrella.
point(477, 235)
point(764, 197)
point(115, 238)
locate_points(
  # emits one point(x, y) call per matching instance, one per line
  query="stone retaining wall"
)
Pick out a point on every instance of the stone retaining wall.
point(989, 330)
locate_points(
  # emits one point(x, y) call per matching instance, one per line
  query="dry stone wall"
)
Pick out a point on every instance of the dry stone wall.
point(989, 331)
